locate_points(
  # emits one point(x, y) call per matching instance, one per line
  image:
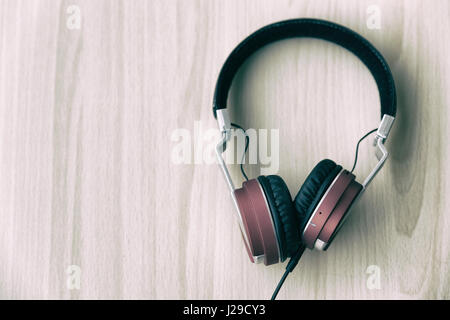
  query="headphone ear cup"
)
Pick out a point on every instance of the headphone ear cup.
point(257, 223)
point(314, 188)
point(283, 213)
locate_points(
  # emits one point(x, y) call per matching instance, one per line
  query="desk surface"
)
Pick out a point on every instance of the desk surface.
point(87, 118)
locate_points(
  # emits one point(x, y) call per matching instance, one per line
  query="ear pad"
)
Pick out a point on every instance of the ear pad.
point(283, 214)
point(314, 188)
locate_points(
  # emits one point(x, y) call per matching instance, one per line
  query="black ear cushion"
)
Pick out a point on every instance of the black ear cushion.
point(313, 189)
point(283, 214)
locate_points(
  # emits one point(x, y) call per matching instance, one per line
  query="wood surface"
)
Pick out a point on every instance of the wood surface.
point(87, 178)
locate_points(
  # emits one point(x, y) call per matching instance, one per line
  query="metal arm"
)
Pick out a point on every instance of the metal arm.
point(380, 152)
point(225, 128)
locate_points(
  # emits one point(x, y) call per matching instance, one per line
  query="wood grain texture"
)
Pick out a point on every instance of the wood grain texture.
point(86, 177)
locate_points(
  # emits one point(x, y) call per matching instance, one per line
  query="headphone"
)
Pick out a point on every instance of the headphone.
point(274, 226)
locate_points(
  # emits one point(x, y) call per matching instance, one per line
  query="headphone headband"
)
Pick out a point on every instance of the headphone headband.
point(312, 28)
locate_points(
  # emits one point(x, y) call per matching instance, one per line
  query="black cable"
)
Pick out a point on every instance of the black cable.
point(289, 268)
point(357, 147)
point(247, 140)
point(275, 293)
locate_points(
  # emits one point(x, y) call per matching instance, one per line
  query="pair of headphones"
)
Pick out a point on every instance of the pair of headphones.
point(274, 226)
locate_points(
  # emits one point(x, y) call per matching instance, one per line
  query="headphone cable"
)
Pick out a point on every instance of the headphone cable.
point(247, 140)
point(289, 268)
point(357, 147)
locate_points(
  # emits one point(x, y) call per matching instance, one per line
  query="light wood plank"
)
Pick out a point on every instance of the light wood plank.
point(86, 119)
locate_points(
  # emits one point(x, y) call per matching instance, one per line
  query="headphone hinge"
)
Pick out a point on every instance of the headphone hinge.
point(223, 119)
point(385, 127)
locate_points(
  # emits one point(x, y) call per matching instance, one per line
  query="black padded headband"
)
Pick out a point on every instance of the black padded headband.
point(312, 28)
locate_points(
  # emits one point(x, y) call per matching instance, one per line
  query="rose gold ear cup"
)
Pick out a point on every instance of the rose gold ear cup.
point(331, 209)
point(257, 221)
point(339, 212)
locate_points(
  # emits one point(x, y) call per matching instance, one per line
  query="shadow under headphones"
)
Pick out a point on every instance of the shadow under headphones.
point(275, 227)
